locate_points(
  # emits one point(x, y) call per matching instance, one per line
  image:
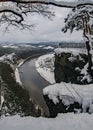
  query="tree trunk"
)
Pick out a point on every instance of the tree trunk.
point(89, 59)
point(86, 33)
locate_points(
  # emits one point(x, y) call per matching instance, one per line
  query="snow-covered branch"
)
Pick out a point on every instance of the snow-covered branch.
point(60, 3)
point(13, 13)
point(21, 7)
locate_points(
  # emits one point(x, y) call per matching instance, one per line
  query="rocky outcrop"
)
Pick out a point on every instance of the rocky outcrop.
point(54, 109)
point(69, 67)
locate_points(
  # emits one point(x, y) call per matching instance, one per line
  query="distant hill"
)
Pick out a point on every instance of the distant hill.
point(72, 44)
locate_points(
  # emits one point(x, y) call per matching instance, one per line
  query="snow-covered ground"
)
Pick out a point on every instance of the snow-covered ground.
point(45, 67)
point(68, 121)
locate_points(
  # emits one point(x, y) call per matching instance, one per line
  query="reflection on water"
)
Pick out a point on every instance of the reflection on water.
point(34, 83)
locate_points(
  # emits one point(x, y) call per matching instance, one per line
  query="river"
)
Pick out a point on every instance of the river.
point(34, 83)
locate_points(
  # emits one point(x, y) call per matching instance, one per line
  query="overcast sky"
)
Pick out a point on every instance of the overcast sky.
point(45, 29)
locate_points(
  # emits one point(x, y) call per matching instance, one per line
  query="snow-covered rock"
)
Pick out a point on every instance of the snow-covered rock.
point(8, 58)
point(73, 51)
point(45, 67)
point(17, 76)
point(70, 93)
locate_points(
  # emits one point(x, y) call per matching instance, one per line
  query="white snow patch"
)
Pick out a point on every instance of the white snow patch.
point(17, 76)
point(2, 100)
point(21, 63)
point(86, 74)
point(45, 67)
point(68, 121)
point(10, 46)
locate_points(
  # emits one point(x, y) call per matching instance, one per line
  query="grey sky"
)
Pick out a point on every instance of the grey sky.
point(45, 29)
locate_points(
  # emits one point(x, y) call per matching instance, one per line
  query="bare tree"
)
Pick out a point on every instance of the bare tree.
point(13, 13)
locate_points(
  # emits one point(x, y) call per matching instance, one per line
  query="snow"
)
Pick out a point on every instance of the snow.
point(49, 47)
point(10, 46)
point(17, 73)
point(17, 76)
point(73, 51)
point(70, 93)
point(10, 7)
point(62, 3)
point(86, 74)
point(21, 63)
point(45, 67)
point(8, 58)
point(2, 100)
point(27, 46)
point(68, 121)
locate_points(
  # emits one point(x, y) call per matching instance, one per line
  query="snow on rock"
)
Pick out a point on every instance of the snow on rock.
point(10, 7)
point(2, 100)
point(86, 74)
point(21, 63)
point(73, 51)
point(8, 57)
point(68, 121)
point(17, 76)
point(64, 3)
point(70, 93)
point(45, 67)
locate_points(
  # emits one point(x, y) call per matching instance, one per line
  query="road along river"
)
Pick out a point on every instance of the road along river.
point(34, 83)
